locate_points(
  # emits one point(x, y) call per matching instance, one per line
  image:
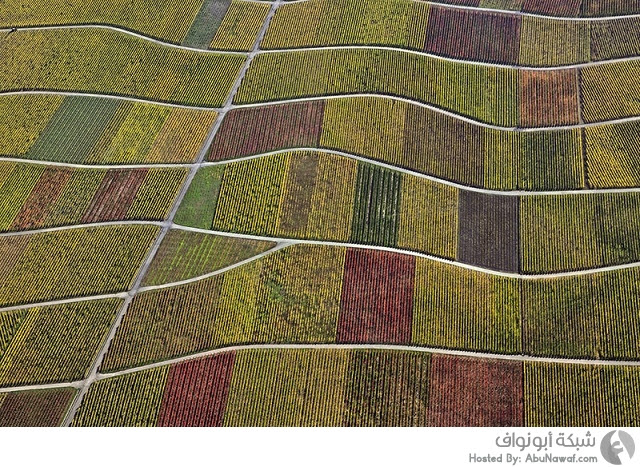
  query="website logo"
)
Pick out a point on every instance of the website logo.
point(617, 443)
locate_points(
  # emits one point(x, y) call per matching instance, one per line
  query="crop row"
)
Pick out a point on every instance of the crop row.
point(105, 61)
point(434, 144)
point(71, 263)
point(316, 294)
point(451, 32)
point(321, 196)
point(35, 408)
point(36, 196)
point(53, 344)
point(183, 255)
point(501, 96)
point(321, 387)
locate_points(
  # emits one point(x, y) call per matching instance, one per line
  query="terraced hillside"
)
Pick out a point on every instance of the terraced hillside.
point(320, 213)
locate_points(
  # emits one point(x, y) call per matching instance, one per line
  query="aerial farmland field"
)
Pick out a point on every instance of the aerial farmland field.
point(238, 213)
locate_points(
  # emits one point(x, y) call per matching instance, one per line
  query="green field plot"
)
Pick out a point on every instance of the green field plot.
point(183, 255)
point(240, 27)
point(35, 408)
point(37, 196)
point(72, 263)
point(581, 395)
point(290, 296)
point(571, 232)
point(109, 62)
point(163, 19)
point(595, 314)
point(53, 344)
point(480, 92)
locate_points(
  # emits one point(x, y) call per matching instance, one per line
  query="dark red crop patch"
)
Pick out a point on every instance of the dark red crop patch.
point(196, 392)
point(256, 130)
point(377, 297)
point(475, 392)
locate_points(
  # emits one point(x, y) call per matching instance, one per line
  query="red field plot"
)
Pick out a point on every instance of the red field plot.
point(553, 7)
point(473, 35)
point(196, 392)
point(42, 197)
point(263, 129)
point(474, 392)
point(115, 195)
point(377, 297)
point(35, 408)
point(549, 98)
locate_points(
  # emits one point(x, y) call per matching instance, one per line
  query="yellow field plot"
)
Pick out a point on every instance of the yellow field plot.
point(298, 387)
point(367, 126)
point(133, 136)
point(76, 262)
point(240, 27)
point(428, 217)
point(110, 62)
point(332, 199)
point(547, 42)
point(182, 136)
point(164, 19)
point(463, 309)
point(22, 119)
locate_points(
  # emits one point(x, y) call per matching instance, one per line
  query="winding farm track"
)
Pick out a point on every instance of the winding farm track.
point(389, 347)
point(442, 181)
point(281, 244)
point(449, 113)
point(169, 220)
point(334, 47)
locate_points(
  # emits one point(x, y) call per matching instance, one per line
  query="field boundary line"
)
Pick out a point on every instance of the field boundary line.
point(279, 246)
point(524, 358)
point(40, 387)
point(141, 100)
point(385, 347)
point(93, 371)
point(79, 226)
point(293, 242)
point(349, 155)
point(460, 186)
point(64, 301)
point(352, 95)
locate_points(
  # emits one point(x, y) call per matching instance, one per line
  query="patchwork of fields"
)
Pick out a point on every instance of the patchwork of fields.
point(320, 213)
